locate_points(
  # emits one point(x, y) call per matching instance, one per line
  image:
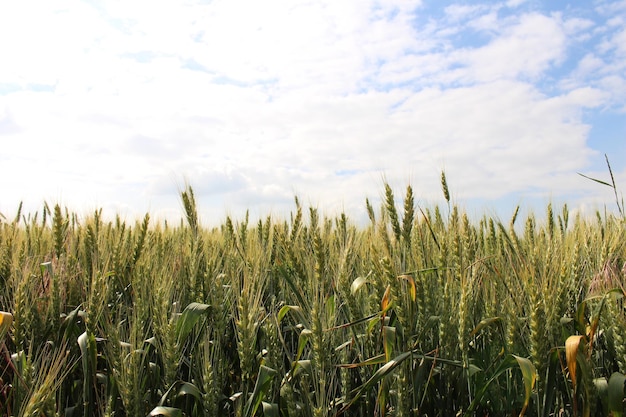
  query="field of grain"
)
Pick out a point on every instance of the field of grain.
point(421, 312)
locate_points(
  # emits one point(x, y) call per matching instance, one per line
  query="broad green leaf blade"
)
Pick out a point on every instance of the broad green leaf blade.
point(235, 397)
point(70, 326)
point(423, 378)
point(485, 323)
point(373, 322)
point(305, 334)
point(581, 320)
point(151, 341)
point(46, 267)
point(550, 388)
point(508, 363)
point(285, 309)
point(389, 341)
point(188, 319)
point(357, 284)
point(270, 410)
point(262, 385)
point(472, 370)
point(380, 374)
point(330, 306)
point(187, 389)
point(602, 389)
point(165, 412)
point(371, 361)
point(303, 366)
point(87, 344)
point(585, 367)
point(616, 394)
point(529, 373)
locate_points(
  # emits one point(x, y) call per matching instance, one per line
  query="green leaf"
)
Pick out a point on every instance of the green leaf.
point(581, 321)
point(389, 341)
point(262, 385)
point(329, 306)
point(598, 312)
point(151, 342)
point(616, 393)
point(373, 322)
point(270, 410)
point(484, 323)
point(376, 360)
point(423, 378)
point(357, 284)
point(165, 412)
point(305, 334)
point(285, 309)
point(87, 344)
point(550, 388)
point(602, 389)
point(46, 267)
point(596, 180)
point(381, 373)
point(473, 370)
point(187, 389)
point(529, 374)
point(302, 366)
point(70, 323)
point(188, 319)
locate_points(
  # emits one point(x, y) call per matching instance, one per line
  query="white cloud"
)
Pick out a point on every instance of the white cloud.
point(515, 3)
point(319, 99)
point(459, 12)
point(526, 49)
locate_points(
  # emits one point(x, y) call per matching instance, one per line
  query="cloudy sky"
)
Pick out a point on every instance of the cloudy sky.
point(118, 104)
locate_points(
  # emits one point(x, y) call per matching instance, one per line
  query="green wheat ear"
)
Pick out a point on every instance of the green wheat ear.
point(444, 187)
point(189, 204)
point(409, 215)
point(370, 211)
point(59, 227)
point(390, 206)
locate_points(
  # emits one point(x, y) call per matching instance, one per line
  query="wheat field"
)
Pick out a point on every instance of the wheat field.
point(422, 312)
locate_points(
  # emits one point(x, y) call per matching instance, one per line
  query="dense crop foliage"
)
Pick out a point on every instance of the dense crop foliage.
point(422, 312)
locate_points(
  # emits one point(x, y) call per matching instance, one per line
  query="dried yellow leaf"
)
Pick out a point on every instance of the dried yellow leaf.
point(6, 319)
point(571, 352)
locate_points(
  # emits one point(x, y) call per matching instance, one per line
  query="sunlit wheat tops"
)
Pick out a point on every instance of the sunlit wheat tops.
point(423, 311)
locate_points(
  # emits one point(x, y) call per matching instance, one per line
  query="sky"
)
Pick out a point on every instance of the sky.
point(118, 105)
